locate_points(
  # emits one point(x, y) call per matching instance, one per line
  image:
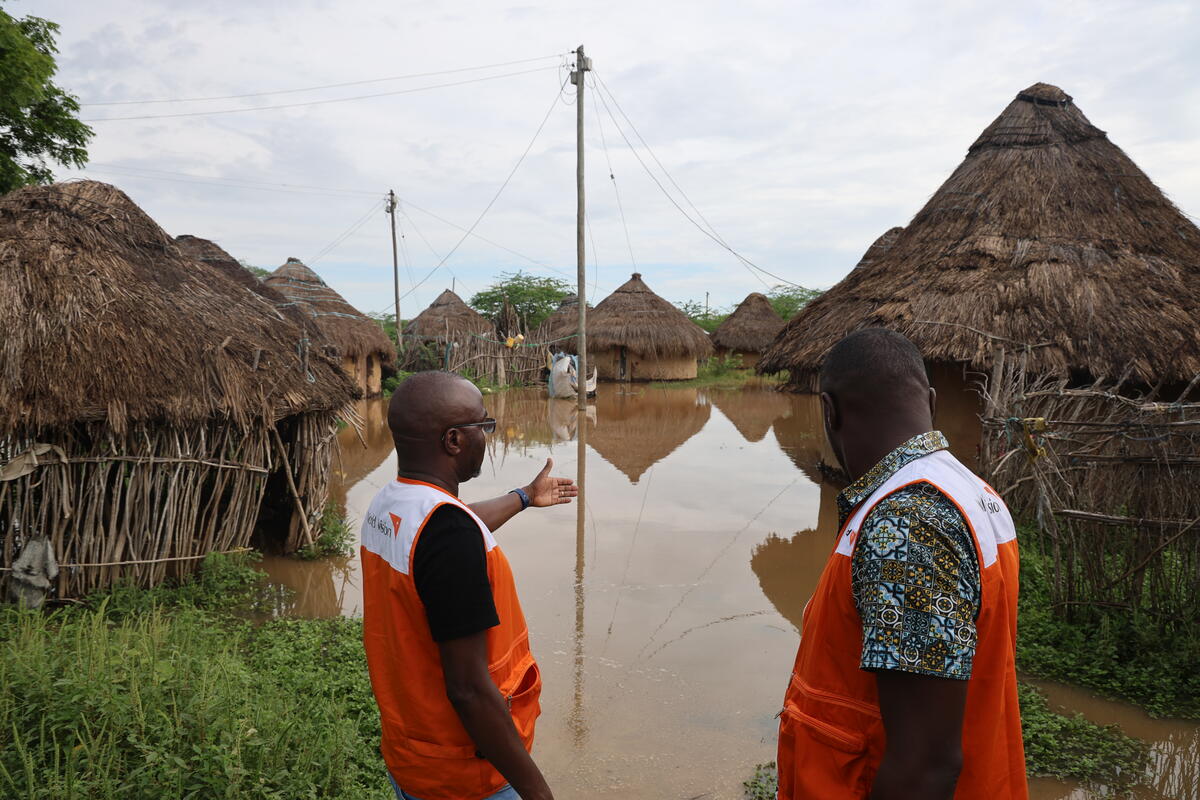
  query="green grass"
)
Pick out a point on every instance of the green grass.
point(722, 372)
point(1120, 655)
point(168, 693)
point(335, 536)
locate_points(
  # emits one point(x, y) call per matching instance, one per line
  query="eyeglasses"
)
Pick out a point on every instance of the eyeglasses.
point(488, 425)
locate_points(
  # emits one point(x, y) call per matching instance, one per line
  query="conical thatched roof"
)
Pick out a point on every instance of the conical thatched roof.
point(449, 313)
point(352, 332)
point(210, 253)
point(637, 318)
point(105, 319)
point(1048, 235)
point(559, 331)
point(750, 328)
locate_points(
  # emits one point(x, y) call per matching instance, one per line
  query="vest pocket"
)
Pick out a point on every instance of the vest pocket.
point(524, 700)
point(818, 759)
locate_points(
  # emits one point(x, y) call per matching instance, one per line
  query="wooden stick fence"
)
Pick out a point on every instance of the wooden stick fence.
point(1112, 478)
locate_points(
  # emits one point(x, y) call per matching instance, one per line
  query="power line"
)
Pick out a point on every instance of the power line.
point(612, 176)
point(322, 102)
point(289, 186)
point(750, 265)
point(325, 86)
point(346, 234)
point(126, 172)
point(495, 197)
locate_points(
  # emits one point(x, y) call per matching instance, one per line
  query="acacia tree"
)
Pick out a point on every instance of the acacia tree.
point(533, 298)
point(37, 118)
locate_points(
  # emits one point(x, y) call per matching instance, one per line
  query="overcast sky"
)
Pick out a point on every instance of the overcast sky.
point(800, 131)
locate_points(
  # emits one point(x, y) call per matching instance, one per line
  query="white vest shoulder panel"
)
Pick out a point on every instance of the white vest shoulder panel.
point(398, 513)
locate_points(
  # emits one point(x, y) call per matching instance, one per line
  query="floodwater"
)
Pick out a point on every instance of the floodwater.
point(666, 624)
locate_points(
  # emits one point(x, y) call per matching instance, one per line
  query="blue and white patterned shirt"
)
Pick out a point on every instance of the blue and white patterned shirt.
point(915, 574)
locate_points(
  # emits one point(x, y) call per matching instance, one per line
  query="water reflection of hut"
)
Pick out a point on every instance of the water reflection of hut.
point(146, 400)
point(637, 431)
point(1047, 235)
point(635, 335)
point(788, 569)
point(363, 345)
point(748, 331)
point(752, 411)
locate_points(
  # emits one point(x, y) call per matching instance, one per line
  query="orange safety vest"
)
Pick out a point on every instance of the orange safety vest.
point(831, 736)
point(425, 746)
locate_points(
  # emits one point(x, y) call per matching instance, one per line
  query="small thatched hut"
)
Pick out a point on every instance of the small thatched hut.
point(635, 335)
point(363, 346)
point(151, 408)
point(1047, 236)
point(449, 319)
point(559, 332)
point(748, 331)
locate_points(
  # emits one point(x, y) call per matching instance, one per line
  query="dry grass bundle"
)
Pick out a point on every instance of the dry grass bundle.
point(1114, 483)
point(1047, 234)
point(140, 393)
point(354, 334)
point(636, 318)
point(750, 328)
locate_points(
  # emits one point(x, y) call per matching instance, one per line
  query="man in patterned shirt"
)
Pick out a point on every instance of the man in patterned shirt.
point(904, 684)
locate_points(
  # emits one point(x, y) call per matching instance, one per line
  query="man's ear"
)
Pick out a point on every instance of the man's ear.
point(829, 410)
point(452, 442)
point(932, 403)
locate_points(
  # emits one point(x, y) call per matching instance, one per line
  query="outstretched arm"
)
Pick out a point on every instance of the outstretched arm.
point(544, 490)
point(923, 718)
point(485, 715)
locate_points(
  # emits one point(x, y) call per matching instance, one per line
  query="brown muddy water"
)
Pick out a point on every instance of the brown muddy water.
point(666, 627)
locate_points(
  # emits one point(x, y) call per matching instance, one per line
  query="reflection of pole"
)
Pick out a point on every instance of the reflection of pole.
point(576, 720)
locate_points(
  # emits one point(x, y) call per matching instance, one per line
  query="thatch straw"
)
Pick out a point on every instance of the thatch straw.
point(106, 320)
point(1046, 235)
point(353, 333)
point(449, 316)
point(636, 318)
point(750, 328)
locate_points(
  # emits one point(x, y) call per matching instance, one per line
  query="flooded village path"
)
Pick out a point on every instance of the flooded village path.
point(706, 528)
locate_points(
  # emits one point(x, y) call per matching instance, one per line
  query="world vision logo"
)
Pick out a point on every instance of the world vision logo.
point(395, 524)
point(988, 504)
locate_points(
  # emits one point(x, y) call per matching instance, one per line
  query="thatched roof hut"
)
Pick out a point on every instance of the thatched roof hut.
point(634, 432)
point(360, 340)
point(633, 334)
point(749, 330)
point(559, 331)
point(1046, 235)
point(159, 395)
point(448, 318)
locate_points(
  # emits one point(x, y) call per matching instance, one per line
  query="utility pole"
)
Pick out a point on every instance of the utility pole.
point(582, 64)
point(391, 210)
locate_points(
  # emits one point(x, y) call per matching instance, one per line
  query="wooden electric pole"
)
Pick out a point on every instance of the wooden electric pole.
point(582, 65)
point(391, 210)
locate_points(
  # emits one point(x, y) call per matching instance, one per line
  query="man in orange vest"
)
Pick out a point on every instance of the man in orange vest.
point(904, 684)
point(446, 642)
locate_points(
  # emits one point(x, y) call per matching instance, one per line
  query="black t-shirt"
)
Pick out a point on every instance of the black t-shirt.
point(450, 573)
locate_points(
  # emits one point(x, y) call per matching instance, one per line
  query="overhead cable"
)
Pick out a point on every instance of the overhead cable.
point(321, 102)
point(317, 88)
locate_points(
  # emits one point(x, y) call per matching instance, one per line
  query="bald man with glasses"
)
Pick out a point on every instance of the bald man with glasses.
point(446, 641)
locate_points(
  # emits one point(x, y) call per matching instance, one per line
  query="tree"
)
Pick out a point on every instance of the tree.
point(37, 119)
point(708, 319)
point(788, 299)
point(258, 272)
point(533, 298)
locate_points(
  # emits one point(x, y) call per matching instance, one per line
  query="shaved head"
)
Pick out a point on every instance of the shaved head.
point(421, 415)
point(874, 364)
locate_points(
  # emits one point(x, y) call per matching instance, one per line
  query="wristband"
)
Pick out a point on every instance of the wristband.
point(524, 497)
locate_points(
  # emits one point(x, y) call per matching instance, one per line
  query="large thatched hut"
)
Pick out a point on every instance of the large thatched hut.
point(363, 346)
point(748, 331)
point(151, 408)
point(1046, 236)
point(635, 335)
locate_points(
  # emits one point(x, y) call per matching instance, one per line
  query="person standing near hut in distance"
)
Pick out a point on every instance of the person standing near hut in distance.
point(904, 684)
point(446, 642)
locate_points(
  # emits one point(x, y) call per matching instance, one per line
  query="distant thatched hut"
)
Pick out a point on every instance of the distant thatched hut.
point(748, 331)
point(364, 348)
point(635, 335)
point(148, 403)
point(558, 333)
point(1047, 235)
point(448, 319)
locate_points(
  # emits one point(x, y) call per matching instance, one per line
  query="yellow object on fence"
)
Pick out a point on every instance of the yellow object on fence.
point(1033, 447)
